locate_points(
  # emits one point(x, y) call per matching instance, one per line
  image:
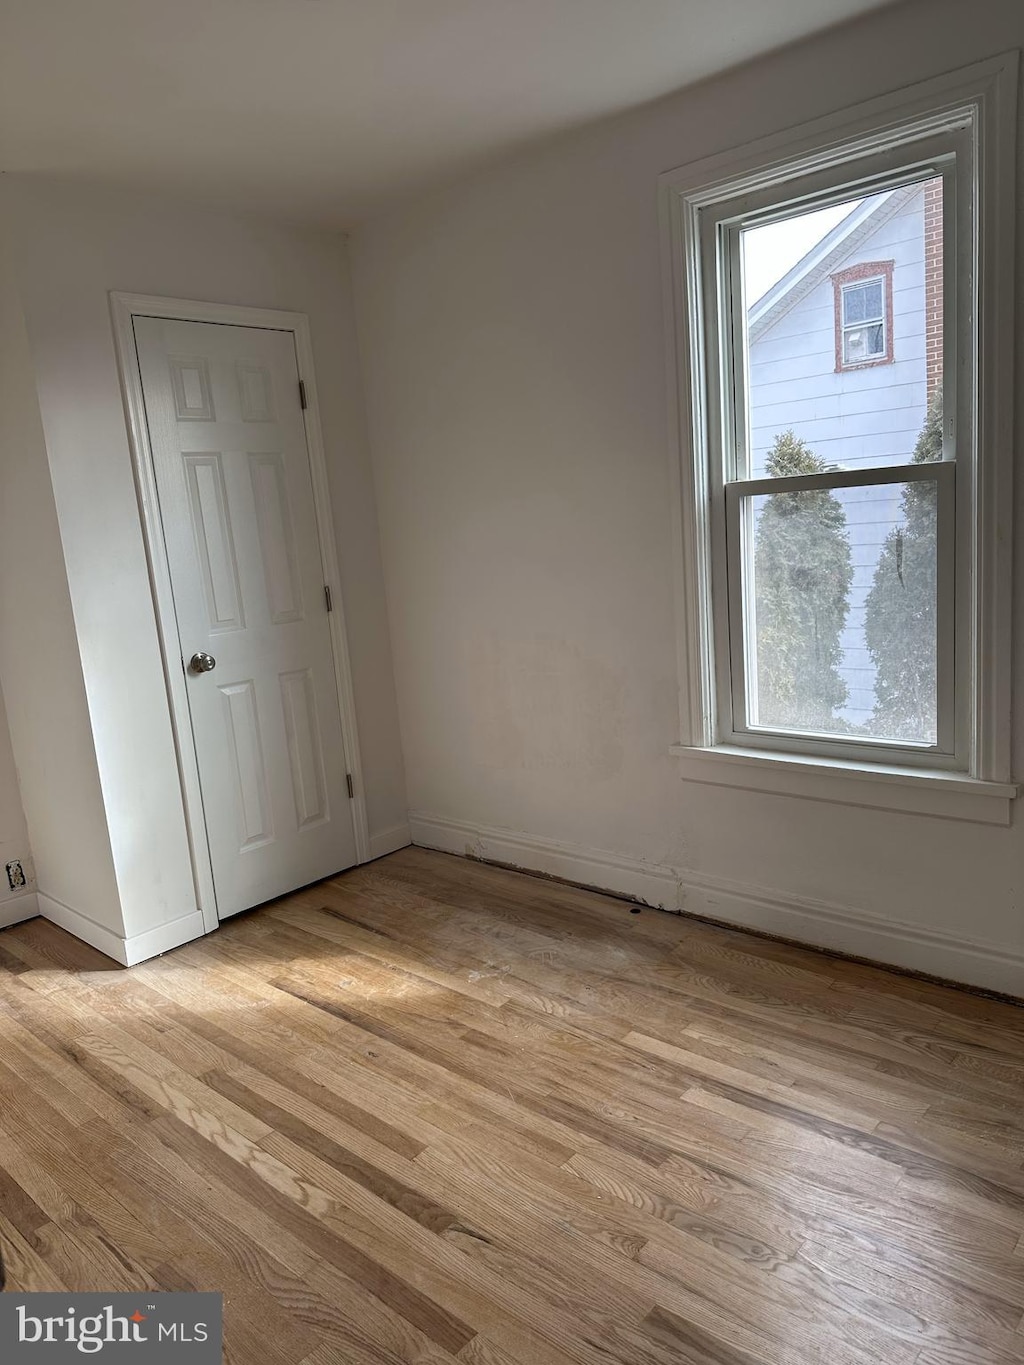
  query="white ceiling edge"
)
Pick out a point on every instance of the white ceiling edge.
point(331, 111)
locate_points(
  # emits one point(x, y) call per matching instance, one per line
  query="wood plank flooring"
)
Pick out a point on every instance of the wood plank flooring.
point(436, 1112)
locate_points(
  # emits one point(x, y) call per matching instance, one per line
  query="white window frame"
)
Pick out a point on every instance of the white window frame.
point(882, 320)
point(972, 111)
point(947, 153)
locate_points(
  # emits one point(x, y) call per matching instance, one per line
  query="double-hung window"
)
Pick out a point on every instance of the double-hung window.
point(837, 491)
point(863, 301)
point(863, 322)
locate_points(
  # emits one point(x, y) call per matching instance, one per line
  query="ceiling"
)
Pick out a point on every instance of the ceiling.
point(329, 110)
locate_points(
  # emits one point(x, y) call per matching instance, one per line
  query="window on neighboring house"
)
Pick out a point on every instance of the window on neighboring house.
point(835, 562)
point(863, 321)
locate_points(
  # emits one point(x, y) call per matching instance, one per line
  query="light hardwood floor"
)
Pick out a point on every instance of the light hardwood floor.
point(432, 1111)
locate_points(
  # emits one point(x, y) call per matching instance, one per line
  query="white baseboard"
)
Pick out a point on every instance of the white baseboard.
point(17, 908)
point(820, 924)
point(639, 881)
point(141, 947)
point(127, 951)
point(389, 840)
point(97, 935)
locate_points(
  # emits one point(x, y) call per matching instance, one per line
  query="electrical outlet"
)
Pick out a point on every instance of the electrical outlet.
point(16, 875)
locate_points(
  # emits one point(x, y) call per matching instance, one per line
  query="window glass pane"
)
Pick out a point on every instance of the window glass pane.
point(862, 343)
point(841, 611)
point(853, 401)
point(853, 303)
point(861, 301)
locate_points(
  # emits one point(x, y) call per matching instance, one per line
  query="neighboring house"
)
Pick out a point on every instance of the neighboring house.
point(845, 351)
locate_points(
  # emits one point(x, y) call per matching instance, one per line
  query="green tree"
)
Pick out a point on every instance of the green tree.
point(900, 617)
point(802, 575)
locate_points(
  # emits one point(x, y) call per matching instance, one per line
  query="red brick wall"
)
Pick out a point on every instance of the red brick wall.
point(933, 283)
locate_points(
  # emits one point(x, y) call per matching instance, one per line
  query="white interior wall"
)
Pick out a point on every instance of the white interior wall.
point(18, 902)
point(511, 329)
point(70, 245)
point(39, 663)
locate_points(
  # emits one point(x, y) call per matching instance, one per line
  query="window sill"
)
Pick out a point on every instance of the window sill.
point(951, 796)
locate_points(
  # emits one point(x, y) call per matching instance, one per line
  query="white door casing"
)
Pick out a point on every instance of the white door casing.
point(241, 551)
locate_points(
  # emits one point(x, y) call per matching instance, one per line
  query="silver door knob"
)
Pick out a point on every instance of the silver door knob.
point(202, 663)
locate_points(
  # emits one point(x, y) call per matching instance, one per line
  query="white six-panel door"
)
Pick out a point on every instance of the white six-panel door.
point(239, 523)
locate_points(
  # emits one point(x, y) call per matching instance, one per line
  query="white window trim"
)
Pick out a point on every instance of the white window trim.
point(845, 362)
point(988, 91)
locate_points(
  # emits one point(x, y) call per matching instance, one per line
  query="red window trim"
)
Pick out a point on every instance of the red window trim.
point(866, 270)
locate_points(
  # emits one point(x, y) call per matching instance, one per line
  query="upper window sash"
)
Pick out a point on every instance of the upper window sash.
point(721, 273)
point(866, 292)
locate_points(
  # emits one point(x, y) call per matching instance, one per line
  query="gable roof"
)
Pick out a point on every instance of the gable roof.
point(826, 257)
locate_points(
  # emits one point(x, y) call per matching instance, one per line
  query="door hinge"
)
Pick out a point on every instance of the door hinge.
point(351, 785)
point(302, 394)
point(327, 597)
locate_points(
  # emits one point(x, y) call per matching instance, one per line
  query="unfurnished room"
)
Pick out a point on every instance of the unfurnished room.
point(511, 682)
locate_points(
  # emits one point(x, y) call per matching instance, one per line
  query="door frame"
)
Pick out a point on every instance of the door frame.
point(124, 308)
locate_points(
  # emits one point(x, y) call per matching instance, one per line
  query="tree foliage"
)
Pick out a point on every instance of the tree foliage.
point(802, 575)
point(900, 617)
